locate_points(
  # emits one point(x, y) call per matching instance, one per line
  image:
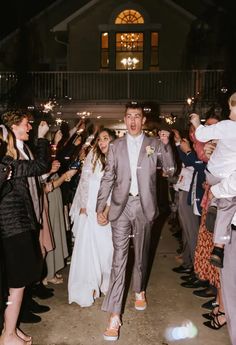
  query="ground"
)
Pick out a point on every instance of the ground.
point(169, 305)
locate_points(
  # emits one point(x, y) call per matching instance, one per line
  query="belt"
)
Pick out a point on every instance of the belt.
point(133, 195)
point(233, 227)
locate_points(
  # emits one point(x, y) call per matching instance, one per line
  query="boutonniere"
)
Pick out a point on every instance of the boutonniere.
point(150, 150)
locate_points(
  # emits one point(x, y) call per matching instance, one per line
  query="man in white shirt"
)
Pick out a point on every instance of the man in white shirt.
point(225, 189)
point(220, 165)
point(130, 178)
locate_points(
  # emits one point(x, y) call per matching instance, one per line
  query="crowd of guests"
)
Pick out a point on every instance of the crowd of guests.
point(206, 203)
point(58, 205)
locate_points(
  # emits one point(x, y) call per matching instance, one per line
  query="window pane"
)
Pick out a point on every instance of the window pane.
point(129, 60)
point(104, 59)
point(104, 50)
point(129, 17)
point(104, 39)
point(154, 39)
point(129, 41)
point(154, 50)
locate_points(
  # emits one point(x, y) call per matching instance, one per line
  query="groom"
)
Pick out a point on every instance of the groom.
point(130, 177)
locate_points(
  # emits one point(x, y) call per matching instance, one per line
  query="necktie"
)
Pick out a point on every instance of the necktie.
point(26, 151)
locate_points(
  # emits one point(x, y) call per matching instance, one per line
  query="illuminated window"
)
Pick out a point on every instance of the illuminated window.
point(104, 50)
point(129, 50)
point(154, 50)
point(129, 17)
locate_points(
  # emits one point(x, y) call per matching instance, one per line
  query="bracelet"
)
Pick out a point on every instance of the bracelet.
point(67, 179)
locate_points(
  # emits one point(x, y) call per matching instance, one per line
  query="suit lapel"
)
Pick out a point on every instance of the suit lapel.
point(126, 154)
point(143, 152)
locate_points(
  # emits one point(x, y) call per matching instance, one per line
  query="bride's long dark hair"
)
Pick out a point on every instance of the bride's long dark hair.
point(97, 153)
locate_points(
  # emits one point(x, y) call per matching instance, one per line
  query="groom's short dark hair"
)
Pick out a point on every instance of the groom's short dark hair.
point(134, 105)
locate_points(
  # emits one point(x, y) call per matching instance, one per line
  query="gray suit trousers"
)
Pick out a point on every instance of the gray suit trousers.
point(226, 208)
point(190, 226)
point(131, 224)
point(228, 283)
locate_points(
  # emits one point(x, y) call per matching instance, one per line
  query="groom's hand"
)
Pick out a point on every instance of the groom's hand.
point(102, 218)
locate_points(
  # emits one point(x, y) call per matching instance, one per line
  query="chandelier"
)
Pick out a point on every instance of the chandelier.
point(130, 63)
point(129, 40)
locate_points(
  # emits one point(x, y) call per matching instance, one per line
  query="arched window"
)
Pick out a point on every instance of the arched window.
point(129, 45)
point(123, 41)
point(129, 17)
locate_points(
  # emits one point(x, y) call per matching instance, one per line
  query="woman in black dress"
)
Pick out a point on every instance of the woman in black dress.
point(19, 230)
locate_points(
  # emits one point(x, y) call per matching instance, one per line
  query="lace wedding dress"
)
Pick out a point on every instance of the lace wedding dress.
point(92, 253)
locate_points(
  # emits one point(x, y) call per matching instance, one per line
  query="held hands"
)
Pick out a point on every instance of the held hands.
point(42, 129)
point(164, 136)
point(195, 120)
point(102, 217)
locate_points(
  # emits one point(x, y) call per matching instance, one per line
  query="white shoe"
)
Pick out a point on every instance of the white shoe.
point(112, 332)
point(140, 301)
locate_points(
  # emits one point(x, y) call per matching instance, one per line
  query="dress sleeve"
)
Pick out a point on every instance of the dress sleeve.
point(81, 196)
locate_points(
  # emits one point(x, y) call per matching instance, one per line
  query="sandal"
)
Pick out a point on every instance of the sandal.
point(215, 323)
point(211, 315)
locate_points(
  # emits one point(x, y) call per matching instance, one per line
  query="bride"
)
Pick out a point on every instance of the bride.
point(92, 253)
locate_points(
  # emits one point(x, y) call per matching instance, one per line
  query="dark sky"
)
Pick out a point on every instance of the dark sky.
point(14, 12)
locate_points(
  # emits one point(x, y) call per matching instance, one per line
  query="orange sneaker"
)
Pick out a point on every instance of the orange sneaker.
point(112, 332)
point(140, 301)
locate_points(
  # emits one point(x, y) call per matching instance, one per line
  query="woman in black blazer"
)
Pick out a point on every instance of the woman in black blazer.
point(19, 231)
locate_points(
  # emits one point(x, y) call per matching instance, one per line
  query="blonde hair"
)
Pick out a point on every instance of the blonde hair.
point(9, 140)
point(232, 100)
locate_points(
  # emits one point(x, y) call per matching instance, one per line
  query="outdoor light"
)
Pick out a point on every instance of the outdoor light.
point(84, 114)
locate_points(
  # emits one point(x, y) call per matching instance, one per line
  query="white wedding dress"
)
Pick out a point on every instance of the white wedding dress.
point(92, 253)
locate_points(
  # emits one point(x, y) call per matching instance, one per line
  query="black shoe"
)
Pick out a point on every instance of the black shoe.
point(36, 308)
point(210, 304)
point(188, 277)
point(29, 317)
point(40, 291)
point(205, 293)
point(196, 283)
point(182, 269)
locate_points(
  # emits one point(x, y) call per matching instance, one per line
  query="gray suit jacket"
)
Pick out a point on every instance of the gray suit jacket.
point(117, 176)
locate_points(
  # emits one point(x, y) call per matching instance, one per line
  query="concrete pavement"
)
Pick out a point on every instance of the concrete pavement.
point(169, 305)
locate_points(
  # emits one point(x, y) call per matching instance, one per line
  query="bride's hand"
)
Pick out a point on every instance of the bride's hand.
point(83, 211)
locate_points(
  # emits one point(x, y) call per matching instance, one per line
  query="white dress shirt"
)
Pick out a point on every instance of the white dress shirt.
point(134, 145)
point(226, 189)
point(20, 146)
point(222, 161)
